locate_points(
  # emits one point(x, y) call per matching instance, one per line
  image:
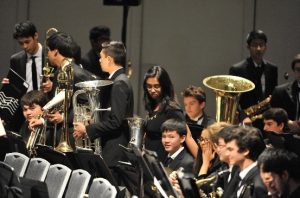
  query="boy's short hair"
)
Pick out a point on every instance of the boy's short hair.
point(196, 92)
point(24, 29)
point(279, 115)
point(34, 97)
point(256, 34)
point(174, 125)
point(280, 160)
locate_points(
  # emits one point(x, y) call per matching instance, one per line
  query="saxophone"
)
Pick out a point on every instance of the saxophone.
point(254, 112)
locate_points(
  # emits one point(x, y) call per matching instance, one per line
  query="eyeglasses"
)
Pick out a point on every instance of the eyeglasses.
point(202, 140)
point(155, 87)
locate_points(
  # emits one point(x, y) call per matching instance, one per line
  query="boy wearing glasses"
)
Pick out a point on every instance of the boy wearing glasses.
point(173, 137)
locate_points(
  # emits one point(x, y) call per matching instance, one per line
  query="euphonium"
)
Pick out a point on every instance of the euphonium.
point(92, 90)
point(65, 82)
point(228, 90)
point(37, 136)
point(254, 112)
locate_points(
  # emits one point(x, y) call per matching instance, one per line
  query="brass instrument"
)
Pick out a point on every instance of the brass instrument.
point(253, 111)
point(37, 136)
point(136, 134)
point(86, 113)
point(65, 79)
point(47, 69)
point(228, 89)
point(217, 192)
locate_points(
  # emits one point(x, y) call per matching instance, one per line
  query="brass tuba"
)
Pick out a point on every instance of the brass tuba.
point(228, 89)
point(65, 79)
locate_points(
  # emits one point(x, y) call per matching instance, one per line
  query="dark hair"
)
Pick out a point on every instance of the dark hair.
point(247, 138)
point(174, 125)
point(63, 42)
point(24, 29)
point(196, 92)
point(34, 97)
point(223, 133)
point(279, 115)
point(76, 53)
point(279, 160)
point(116, 50)
point(99, 31)
point(167, 89)
point(295, 60)
point(256, 34)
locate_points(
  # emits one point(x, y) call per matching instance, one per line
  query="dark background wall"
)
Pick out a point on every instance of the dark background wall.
point(192, 39)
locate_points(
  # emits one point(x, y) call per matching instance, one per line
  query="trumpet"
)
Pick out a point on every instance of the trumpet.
point(37, 136)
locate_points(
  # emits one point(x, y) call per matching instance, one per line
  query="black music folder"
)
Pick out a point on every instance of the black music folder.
point(10, 95)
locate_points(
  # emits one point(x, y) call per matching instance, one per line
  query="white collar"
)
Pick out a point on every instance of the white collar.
point(176, 153)
point(244, 172)
point(37, 54)
point(110, 75)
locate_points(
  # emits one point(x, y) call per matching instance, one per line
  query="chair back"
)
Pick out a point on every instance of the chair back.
point(57, 180)
point(102, 188)
point(78, 184)
point(18, 161)
point(37, 169)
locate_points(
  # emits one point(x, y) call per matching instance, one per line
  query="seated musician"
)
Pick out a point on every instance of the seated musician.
point(243, 147)
point(173, 138)
point(32, 104)
point(194, 100)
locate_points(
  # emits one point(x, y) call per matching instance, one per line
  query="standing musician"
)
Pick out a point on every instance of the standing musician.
point(255, 68)
point(112, 128)
point(61, 46)
point(27, 63)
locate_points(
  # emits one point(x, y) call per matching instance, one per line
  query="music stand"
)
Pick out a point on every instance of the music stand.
point(159, 173)
point(12, 142)
point(134, 155)
point(53, 156)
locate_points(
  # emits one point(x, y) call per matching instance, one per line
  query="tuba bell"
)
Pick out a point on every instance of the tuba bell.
point(228, 89)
